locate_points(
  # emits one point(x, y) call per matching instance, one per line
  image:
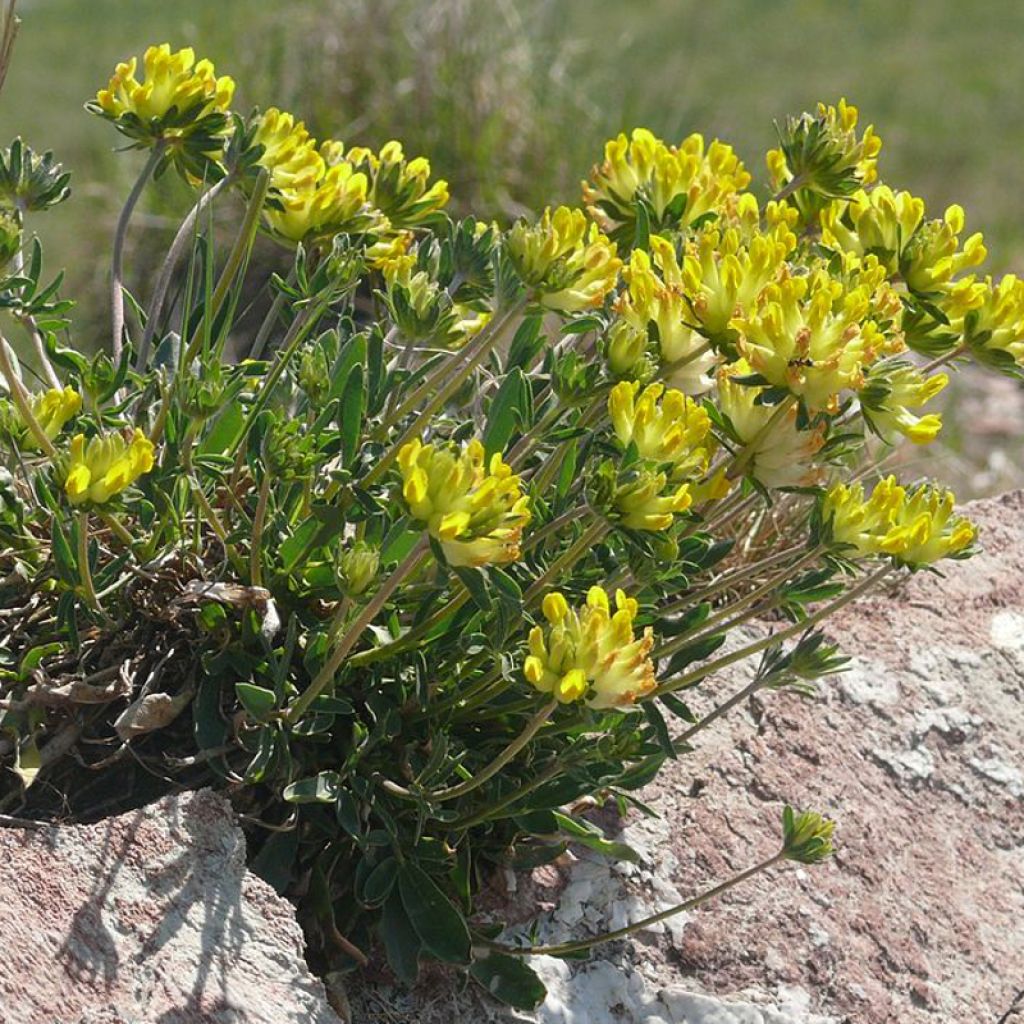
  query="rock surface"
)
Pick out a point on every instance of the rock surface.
point(917, 753)
point(148, 917)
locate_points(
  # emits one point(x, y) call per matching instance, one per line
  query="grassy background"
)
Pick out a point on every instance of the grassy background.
point(512, 99)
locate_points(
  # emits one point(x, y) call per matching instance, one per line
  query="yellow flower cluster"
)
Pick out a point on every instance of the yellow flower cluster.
point(477, 512)
point(102, 468)
point(916, 527)
point(824, 155)
point(399, 188)
point(991, 317)
point(312, 199)
point(665, 426)
point(778, 452)
point(680, 183)
point(52, 409)
point(811, 336)
point(723, 275)
point(571, 266)
point(176, 92)
point(934, 257)
point(591, 652)
point(891, 391)
point(654, 302)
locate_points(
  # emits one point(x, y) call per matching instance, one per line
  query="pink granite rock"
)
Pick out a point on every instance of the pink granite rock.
point(148, 917)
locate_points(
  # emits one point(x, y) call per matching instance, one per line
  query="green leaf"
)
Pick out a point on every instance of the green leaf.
point(318, 789)
point(353, 406)
point(587, 835)
point(34, 657)
point(509, 980)
point(258, 701)
point(380, 882)
point(697, 651)
point(659, 728)
point(435, 920)
point(506, 412)
point(401, 943)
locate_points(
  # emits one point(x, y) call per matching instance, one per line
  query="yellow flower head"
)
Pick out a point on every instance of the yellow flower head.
point(933, 256)
point(665, 426)
point(477, 512)
point(654, 302)
point(398, 187)
point(783, 455)
point(916, 527)
point(314, 210)
point(649, 502)
point(680, 183)
point(52, 409)
point(810, 336)
point(176, 98)
point(991, 317)
point(591, 653)
point(289, 151)
point(891, 391)
point(105, 466)
point(571, 266)
point(823, 155)
point(881, 222)
point(723, 275)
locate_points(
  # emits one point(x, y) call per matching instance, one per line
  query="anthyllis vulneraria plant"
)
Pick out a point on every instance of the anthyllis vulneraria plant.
point(442, 551)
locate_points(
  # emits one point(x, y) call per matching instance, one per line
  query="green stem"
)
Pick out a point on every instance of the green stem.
point(185, 235)
point(437, 402)
point(706, 627)
point(258, 522)
point(697, 674)
point(533, 726)
point(590, 536)
point(942, 360)
point(297, 334)
point(580, 946)
point(325, 677)
point(522, 447)
point(412, 638)
point(22, 403)
point(117, 260)
point(454, 367)
point(84, 571)
point(238, 255)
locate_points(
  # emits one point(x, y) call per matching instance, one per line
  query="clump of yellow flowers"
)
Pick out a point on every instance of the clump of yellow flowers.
point(435, 543)
point(102, 467)
point(475, 507)
point(591, 653)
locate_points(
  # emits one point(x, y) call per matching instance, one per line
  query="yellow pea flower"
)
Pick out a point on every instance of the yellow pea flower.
point(102, 468)
point(934, 257)
point(782, 455)
point(810, 336)
point(680, 183)
point(822, 154)
point(398, 187)
point(591, 653)
point(571, 266)
point(916, 527)
point(316, 210)
point(991, 317)
point(880, 221)
point(649, 502)
point(654, 302)
point(52, 409)
point(665, 426)
point(722, 275)
point(177, 97)
point(289, 151)
point(889, 394)
point(476, 511)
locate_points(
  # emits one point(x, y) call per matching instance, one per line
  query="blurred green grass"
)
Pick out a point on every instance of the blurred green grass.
point(513, 99)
